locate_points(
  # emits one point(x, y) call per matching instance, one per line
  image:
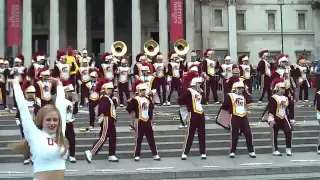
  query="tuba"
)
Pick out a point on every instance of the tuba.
point(181, 47)
point(119, 48)
point(151, 48)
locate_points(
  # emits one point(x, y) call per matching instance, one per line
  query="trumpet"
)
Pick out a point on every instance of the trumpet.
point(119, 48)
point(151, 48)
point(181, 47)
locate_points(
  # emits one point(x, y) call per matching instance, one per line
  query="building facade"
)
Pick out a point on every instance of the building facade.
point(228, 26)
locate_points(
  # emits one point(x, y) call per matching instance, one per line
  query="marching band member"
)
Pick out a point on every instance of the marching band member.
point(64, 70)
point(123, 83)
point(141, 57)
point(317, 107)
point(147, 70)
point(4, 73)
point(193, 61)
point(143, 107)
point(73, 66)
point(107, 119)
point(107, 67)
point(33, 106)
point(160, 79)
point(191, 98)
point(277, 119)
point(210, 69)
point(302, 71)
point(285, 72)
point(45, 135)
point(85, 56)
point(245, 71)
point(265, 72)
point(225, 71)
point(18, 70)
point(7, 64)
point(70, 134)
point(174, 74)
point(83, 77)
point(44, 88)
point(39, 58)
point(234, 108)
point(93, 97)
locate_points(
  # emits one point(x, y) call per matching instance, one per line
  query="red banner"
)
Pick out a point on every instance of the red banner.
point(14, 22)
point(176, 20)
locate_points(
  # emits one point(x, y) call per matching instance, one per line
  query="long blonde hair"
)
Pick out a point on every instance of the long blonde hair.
point(22, 146)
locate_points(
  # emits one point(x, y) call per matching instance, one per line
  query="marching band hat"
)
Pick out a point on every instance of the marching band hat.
point(85, 60)
point(140, 56)
point(84, 51)
point(235, 69)
point(193, 53)
point(263, 53)
point(27, 87)
point(159, 55)
point(106, 56)
point(135, 85)
point(124, 60)
point(70, 51)
point(39, 56)
point(277, 83)
point(94, 73)
point(1, 60)
point(103, 84)
point(146, 66)
point(174, 55)
point(194, 68)
point(207, 52)
point(42, 72)
point(6, 62)
point(187, 79)
point(195, 80)
point(170, 54)
point(242, 58)
point(281, 58)
point(19, 58)
point(301, 60)
point(238, 84)
point(227, 57)
point(60, 53)
point(142, 86)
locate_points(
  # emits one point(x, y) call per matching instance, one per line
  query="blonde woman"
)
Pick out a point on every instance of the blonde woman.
point(45, 135)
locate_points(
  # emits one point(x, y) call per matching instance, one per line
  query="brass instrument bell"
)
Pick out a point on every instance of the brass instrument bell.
point(119, 48)
point(181, 47)
point(151, 48)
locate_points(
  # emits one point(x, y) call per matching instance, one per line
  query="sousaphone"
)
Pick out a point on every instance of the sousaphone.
point(151, 48)
point(119, 48)
point(181, 47)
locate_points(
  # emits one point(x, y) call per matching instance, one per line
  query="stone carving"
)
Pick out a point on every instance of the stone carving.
point(231, 2)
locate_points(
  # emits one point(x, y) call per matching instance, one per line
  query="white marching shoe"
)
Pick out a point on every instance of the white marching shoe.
point(137, 158)
point(72, 159)
point(27, 161)
point(232, 155)
point(156, 158)
point(168, 103)
point(88, 156)
point(203, 156)
point(252, 155)
point(113, 159)
point(318, 152)
point(276, 153)
point(183, 127)
point(121, 105)
point(184, 157)
point(288, 151)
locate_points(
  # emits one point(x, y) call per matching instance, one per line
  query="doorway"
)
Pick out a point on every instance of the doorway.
point(40, 43)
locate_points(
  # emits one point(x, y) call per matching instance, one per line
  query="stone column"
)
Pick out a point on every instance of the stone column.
point(190, 26)
point(54, 31)
point(108, 25)
point(205, 29)
point(89, 31)
point(27, 31)
point(316, 25)
point(232, 15)
point(2, 28)
point(136, 30)
point(81, 24)
point(163, 29)
point(63, 24)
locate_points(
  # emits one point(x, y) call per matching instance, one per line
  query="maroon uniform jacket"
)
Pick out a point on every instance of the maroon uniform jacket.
point(44, 90)
point(135, 106)
point(106, 108)
point(210, 67)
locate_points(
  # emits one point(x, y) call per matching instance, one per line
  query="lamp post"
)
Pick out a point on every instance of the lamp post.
point(281, 3)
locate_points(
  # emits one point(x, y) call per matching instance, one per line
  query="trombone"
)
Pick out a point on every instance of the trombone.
point(151, 48)
point(181, 47)
point(119, 48)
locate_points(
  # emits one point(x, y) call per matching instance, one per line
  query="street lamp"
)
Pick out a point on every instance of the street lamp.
point(281, 3)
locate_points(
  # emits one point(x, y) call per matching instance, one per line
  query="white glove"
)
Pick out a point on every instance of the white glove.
point(154, 91)
point(79, 82)
point(223, 74)
point(18, 122)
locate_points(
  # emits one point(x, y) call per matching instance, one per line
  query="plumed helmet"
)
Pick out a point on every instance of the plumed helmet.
point(100, 83)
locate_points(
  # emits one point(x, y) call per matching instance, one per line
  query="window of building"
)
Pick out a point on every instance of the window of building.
point(219, 55)
point(38, 15)
point(273, 55)
point(301, 20)
point(217, 18)
point(305, 54)
point(241, 24)
point(271, 21)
